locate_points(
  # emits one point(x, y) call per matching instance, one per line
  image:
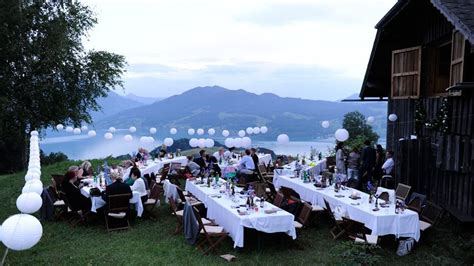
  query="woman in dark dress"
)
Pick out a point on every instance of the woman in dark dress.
point(73, 193)
point(379, 160)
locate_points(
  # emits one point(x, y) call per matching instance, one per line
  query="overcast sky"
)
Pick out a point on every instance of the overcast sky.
point(315, 49)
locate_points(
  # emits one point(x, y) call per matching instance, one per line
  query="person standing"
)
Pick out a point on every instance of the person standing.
point(379, 160)
point(340, 158)
point(368, 162)
point(353, 164)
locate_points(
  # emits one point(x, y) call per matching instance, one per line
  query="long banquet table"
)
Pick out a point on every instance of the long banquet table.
point(220, 209)
point(155, 166)
point(382, 222)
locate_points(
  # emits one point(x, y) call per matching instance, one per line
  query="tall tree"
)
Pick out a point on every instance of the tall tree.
point(359, 130)
point(46, 75)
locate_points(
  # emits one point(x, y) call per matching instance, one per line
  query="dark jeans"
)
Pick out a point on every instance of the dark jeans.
point(144, 199)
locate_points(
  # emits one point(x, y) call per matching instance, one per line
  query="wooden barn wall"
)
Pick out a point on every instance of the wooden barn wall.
point(438, 165)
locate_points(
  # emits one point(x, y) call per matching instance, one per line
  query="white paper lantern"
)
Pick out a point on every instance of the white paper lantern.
point(150, 140)
point(200, 131)
point(370, 119)
point(91, 133)
point(191, 131)
point(21, 232)
point(242, 133)
point(238, 143)
point(173, 131)
point(209, 143)
point(211, 132)
point(246, 142)
point(84, 128)
point(108, 136)
point(112, 129)
point(59, 127)
point(256, 130)
point(34, 133)
point(168, 142)
point(34, 171)
point(225, 133)
point(249, 130)
point(229, 142)
point(69, 129)
point(143, 139)
point(132, 129)
point(128, 138)
point(31, 176)
point(325, 124)
point(29, 202)
point(153, 130)
point(193, 142)
point(392, 117)
point(342, 134)
point(77, 131)
point(33, 186)
point(263, 130)
point(283, 139)
point(202, 143)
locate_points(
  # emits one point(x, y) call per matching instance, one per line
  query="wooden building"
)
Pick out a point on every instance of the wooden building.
point(422, 61)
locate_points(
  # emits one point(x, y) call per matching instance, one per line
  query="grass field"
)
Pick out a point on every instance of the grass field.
point(153, 242)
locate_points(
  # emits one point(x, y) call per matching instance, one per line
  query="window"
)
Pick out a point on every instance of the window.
point(406, 64)
point(457, 58)
point(442, 68)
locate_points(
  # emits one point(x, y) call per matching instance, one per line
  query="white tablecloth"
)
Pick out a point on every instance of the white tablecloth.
point(265, 158)
point(391, 193)
point(382, 222)
point(220, 210)
point(98, 202)
point(155, 166)
point(170, 191)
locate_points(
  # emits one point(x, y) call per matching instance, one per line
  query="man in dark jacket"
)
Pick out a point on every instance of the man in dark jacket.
point(116, 188)
point(201, 161)
point(368, 162)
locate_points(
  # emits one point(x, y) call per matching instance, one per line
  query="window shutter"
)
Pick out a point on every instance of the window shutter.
point(457, 58)
point(406, 68)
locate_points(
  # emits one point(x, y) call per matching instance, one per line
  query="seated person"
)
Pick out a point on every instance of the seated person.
point(214, 165)
point(78, 172)
point(86, 166)
point(201, 161)
point(73, 193)
point(193, 167)
point(253, 153)
point(247, 167)
point(220, 155)
point(388, 165)
point(138, 184)
point(116, 188)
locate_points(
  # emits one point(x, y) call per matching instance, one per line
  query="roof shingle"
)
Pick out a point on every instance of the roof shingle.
point(460, 13)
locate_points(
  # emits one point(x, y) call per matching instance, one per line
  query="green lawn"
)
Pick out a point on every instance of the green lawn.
point(153, 242)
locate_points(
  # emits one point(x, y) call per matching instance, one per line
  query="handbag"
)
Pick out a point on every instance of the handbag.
point(405, 247)
point(95, 192)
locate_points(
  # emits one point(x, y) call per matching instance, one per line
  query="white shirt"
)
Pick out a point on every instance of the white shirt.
point(247, 162)
point(388, 166)
point(218, 156)
point(139, 186)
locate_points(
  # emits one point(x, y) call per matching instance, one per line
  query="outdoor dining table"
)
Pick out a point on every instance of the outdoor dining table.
point(98, 202)
point(156, 165)
point(382, 222)
point(223, 210)
point(264, 158)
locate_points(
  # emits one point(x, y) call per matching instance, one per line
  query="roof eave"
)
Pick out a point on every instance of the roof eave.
point(457, 23)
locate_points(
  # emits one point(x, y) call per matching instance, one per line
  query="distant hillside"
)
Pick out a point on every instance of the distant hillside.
point(141, 99)
point(113, 104)
point(221, 108)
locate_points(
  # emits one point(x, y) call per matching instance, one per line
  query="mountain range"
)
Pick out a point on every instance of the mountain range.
point(220, 108)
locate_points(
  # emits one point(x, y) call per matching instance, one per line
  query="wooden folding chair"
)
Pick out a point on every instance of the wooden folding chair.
point(153, 200)
point(278, 199)
point(212, 235)
point(178, 214)
point(337, 231)
point(271, 191)
point(415, 204)
point(75, 216)
point(303, 218)
point(402, 191)
point(356, 231)
point(191, 200)
point(118, 208)
point(429, 215)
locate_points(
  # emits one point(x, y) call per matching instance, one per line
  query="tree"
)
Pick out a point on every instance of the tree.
point(359, 131)
point(46, 75)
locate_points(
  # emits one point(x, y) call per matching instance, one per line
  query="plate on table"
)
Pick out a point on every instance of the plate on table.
point(242, 212)
point(355, 197)
point(339, 196)
point(355, 203)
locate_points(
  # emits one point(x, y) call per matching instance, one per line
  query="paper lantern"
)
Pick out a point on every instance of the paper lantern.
point(34, 186)
point(173, 131)
point(21, 232)
point(283, 139)
point(209, 143)
point(193, 143)
point(191, 131)
point(168, 142)
point(242, 133)
point(150, 139)
point(108, 136)
point(143, 139)
point(249, 130)
point(200, 131)
point(59, 127)
point(392, 117)
point(31, 176)
point(153, 130)
point(211, 132)
point(202, 143)
point(238, 143)
point(128, 138)
point(91, 133)
point(229, 142)
point(34, 133)
point(132, 129)
point(29, 202)
point(34, 170)
point(325, 124)
point(342, 134)
point(263, 130)
point(246, 142)
point(69, 129)
point(112, 129)
point(84, 128)
point(225, 133)
point(370, 119)
point(256, 130)
point(77, 131)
